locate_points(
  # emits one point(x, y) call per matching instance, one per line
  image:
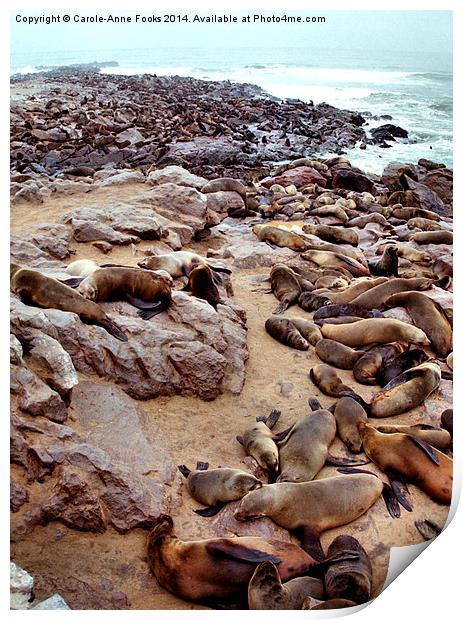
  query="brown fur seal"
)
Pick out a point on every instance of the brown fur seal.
point(406, 391)
point(369, 365)
point(82, 267)
point(325, 258)
point(304, 450)
point(362, 220)
point(348, 413)
point(335, 603)
point(333, 234)
point(217, 570)
point(285, 286)
point(351, 578)
point(406, 251)
point(311, 301)
point(339, 320)
point(374, 331)
point(314, 506)
point(387, 265)
point(279, 237)
point(407, 213)
point(215, 487)
point(265, 590)
point(308, 329)
point(286, 332)
point(394, 367)
point(375, 297)
point(333, 310)
point(423, 224)
point(428, 316)
point(177, 264)
point(407, 456)
point(202, 285)
point(331, 282)
point(258, 441)
point(337, 354)
point(334, 210)
point(146, 290)
point(327, 380)
point(355, 290)
point(436, 437)
point(38, 290)
point(433, 236)
point(225, 184)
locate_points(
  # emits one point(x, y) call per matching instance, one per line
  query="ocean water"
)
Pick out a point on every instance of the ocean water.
point(415, 89)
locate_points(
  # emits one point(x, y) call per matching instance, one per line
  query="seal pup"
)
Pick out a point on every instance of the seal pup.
point(348, 413)
point(436, 437)
point(286, 332)
point(376, 296)
point(433, 236)
point(394, 367)
point(259, 442)
point(266, 591)
point(201, 284)
point(82, 268)
point(406, 391)
point(355, 290)
point(327, 380)
point(407, 456)
point(285, 286)
point(36, 289)
point(178, 264)
point(387, 265)
point(423, 224)
point(428, 316)
point(310, 508)
point(216, 487)
point(148, 291)
point(217, 570)
point(374, 331)
point(368, 367)
point(311, 301)
point(337, 354)
point(350, 578)
point(307, 329)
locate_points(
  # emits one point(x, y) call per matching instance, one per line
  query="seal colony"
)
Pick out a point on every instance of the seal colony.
point(362, 278)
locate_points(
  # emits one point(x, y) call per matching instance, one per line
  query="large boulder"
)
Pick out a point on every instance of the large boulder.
point(441, 183)
point(420, 195)
point(300, 177)
point(345, 178)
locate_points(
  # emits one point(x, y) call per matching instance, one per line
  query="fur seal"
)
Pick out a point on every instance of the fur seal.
point(311, 301)
point(367, 368)
point(428, 316)
point(333, 310)
point(215, 487)
point(279, 237)
point(405, 455)
point(423, 224)
point(355, 290)
point(144, 289)
point(327, 380)
point(308, 329)
point(314, 243)
point(374, 331)
point(177, 264)
point(376, 296)
point(82, 268)
point(394, 367)
point(406, 391)
point(331, 282)
point(348, 413)
point(333, 234)
point(406, 251)
point(202, 285)
point(407, 213)
point(433, 236)
point(335, 603)
point(38, 290)
point(259, 442)
point(265, 590)
point(362, 220)
point(286, 332)
point(217, 570)
point(324, 258)
point(351, 578)
point(334, 210)
point(225, 184)
point(285, 286)
point(387, 265)
point(436, 437)
point(312, 507)
point(337, 354)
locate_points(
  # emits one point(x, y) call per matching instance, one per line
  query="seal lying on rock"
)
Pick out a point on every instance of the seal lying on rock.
point(178, 264)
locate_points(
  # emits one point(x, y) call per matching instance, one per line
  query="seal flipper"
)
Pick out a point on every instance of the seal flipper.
point(427, 449)
point(240, 439)
point(226, 549)
point(427, 528)
point(142, 304)
point(320, 568)
point(202, 466)
point(400, 490)
point(391, 502)
point(210, 511)
point(284, 305)
point(311, 542)
point(314, 403)
point(279, 437)
point(356, 397)
point(148, 313)
point(184, 470)
point(111, 327)
point(271, 419)
point(72, 282)
point(333, 460)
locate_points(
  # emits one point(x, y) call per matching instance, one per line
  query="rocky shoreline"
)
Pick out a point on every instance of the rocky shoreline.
point(113, 169)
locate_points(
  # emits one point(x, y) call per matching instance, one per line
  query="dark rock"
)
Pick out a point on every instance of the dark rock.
point(388, 132)
point(18, 495)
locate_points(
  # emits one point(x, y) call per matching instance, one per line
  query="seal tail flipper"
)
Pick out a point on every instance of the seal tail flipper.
point(279, 437)
point(184, 470)
point(148, 313)
point(391, 502)
point(142, 304)
point(239, 439)
point(427, 528)
point(340, 462)
point(111, 327)
point(72, 282)
point(356, 397)
point(281, 308)
point(221, 269)
point(271, 419)
point(210, 511)
point(314, 403)
point(202, 466)
point(224, 548)
point(332, 408)
point(311, 543)
point(400, 490)
point(320, 568)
